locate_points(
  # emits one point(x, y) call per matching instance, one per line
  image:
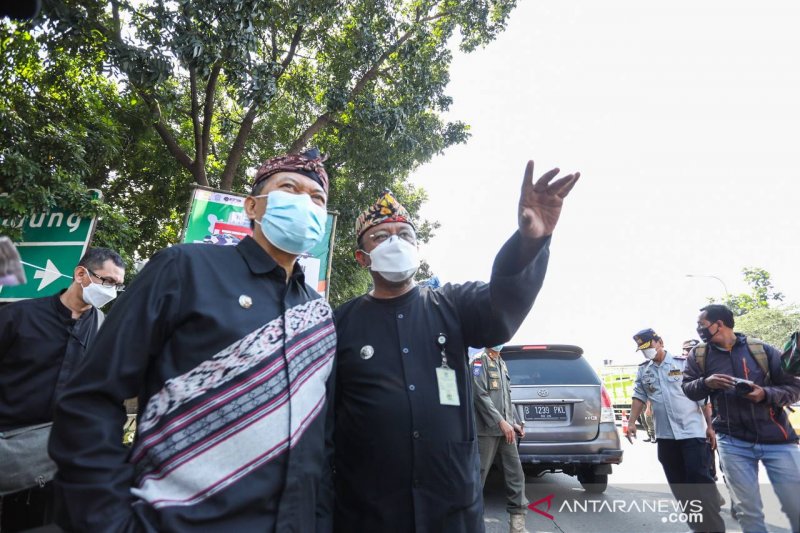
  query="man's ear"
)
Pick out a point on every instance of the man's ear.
point(79, 273)
point(250, 207)
point(362, 258)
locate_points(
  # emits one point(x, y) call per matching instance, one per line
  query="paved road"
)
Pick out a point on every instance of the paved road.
point(637, 499)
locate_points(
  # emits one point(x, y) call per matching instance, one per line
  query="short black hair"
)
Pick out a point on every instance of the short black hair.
point(258, 187)
point(255, 191)
point(716, 312)
point(94, 258)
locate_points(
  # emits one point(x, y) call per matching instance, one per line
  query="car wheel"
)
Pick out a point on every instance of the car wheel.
point(591, 482)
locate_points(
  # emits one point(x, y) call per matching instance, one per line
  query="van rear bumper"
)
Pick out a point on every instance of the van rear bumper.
point(603, 449)
point(605, 456)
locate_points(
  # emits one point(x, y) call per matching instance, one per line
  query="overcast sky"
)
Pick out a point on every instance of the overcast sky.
point(683, 120)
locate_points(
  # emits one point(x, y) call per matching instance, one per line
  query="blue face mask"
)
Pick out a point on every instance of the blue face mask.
point(292, 222)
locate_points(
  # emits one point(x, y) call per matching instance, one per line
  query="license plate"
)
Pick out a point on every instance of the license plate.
point(545, 412)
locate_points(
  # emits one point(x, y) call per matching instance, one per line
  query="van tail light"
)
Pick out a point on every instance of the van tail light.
point(606, 409)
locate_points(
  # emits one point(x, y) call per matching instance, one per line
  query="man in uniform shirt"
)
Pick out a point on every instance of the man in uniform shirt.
point(42, 340)
point(498, 424)
point(229, 352)
point(406, 454)
point(682, 427)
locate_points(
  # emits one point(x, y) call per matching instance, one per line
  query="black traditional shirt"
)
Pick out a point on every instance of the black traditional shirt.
point(403, 461)
point(230, 364)
point(38, 337)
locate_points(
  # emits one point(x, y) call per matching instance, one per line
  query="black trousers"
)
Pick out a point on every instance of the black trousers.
point(26, 509)
point(686, 465)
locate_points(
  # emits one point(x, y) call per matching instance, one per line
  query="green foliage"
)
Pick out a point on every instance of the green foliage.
point(59, 131)
point(760, 295)
point(754, 315)
point(143, 99)
point(772, 325)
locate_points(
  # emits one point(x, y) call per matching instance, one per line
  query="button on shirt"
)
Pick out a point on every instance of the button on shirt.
point(675, 415)
point(37, 336)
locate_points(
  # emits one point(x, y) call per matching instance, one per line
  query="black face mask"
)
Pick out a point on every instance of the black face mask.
point(705, 334)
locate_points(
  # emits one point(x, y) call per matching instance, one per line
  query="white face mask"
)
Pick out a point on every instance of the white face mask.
point(649, 353)
point(96, 295)
point(394, 259)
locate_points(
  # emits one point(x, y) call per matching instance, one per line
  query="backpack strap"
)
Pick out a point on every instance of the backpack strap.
point(756, 347)
point(700, 352)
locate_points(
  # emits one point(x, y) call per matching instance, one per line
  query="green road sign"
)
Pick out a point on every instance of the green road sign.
point(213, 214)
point(52, 244)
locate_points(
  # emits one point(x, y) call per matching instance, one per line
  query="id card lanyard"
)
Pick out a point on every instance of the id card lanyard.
point(446, 377)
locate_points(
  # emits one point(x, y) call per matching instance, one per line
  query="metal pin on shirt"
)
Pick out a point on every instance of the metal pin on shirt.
point(367, 352)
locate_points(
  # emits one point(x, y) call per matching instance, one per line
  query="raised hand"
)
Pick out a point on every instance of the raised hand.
point(540, 203)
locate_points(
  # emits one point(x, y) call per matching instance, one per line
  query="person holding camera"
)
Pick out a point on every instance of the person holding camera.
point(683, 430)
point(748, 390)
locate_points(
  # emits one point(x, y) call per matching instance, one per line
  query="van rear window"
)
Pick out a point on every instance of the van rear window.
point(538, 368)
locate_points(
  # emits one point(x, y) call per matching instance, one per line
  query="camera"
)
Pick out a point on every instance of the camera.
point(742, 387)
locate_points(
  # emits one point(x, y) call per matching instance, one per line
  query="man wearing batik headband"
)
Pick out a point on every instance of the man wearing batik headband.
point(291, 218)
point(406, 451)
point(230, 353)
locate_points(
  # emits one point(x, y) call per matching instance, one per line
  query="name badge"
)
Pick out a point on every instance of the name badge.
point(448, 390)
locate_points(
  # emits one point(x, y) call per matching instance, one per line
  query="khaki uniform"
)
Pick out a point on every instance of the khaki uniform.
point(492, 399)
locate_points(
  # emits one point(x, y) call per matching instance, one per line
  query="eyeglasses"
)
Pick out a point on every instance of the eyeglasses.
point(406, 234)
point(108, 282)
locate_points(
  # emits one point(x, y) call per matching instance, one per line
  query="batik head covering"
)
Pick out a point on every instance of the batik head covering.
point(308, 164)
point(386, 209)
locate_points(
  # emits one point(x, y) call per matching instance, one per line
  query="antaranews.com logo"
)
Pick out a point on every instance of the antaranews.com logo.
point(671, 510)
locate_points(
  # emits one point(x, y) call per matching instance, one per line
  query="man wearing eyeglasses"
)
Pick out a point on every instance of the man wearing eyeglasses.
point(42, 340)
point(405, 442)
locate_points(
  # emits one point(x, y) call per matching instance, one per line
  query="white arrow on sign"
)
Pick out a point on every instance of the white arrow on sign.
point(48, 275)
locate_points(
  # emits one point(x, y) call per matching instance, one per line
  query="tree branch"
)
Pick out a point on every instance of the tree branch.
point(237, 150)
point(169, 140)
point(159, 125)
point(325, 118)
point(173, 147)
point(298, 33)
point(199, 159)
point(208, 107)
point(117, 29)
point(235, 155)
point(300, 143)
point(274, 40)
